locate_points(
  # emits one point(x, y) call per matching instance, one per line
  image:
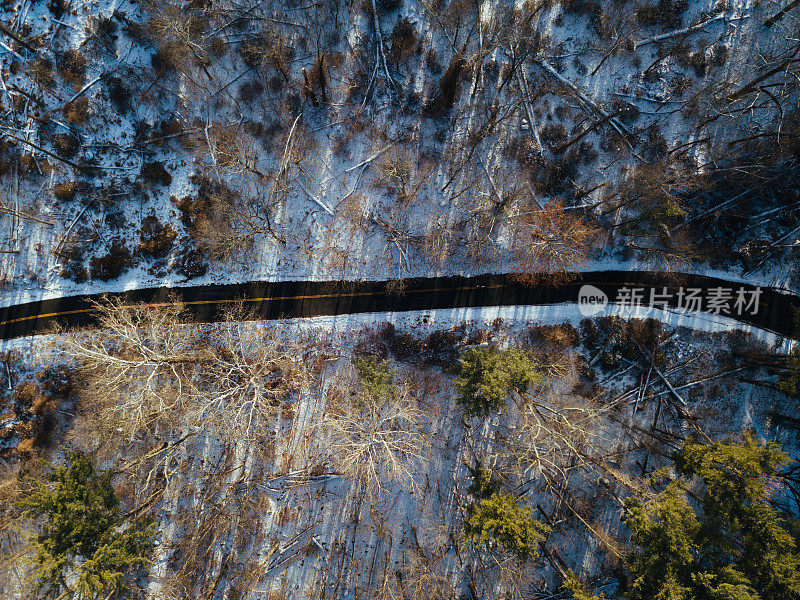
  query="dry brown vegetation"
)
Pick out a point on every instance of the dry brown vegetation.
point(551, 240)
point(263, 452)
point(373, 441)
point(453, 135)
point(460, 120)
point(144, 372)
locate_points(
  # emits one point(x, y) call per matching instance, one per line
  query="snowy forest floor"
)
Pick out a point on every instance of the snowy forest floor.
point(259, 498)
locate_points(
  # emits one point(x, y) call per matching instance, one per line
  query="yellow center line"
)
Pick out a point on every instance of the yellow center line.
point(234, 301)
point(280, 298)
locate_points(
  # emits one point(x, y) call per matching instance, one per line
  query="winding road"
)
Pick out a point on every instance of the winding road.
point(285, 299)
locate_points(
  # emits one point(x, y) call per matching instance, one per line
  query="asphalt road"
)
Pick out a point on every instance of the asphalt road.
point(276, 300)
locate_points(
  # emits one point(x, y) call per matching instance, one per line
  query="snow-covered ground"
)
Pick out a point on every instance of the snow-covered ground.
point(340, 214)
point(279, 516)
point(384, 181)
point(130, 281)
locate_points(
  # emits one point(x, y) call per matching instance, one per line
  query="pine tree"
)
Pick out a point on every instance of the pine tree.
point(730, 543)
point(577, 589)
point(83, 534)
point(501, 519)
point(664, 529)
point(484, 483)
point(488, 375)
point(377, 377)
point(790, 382)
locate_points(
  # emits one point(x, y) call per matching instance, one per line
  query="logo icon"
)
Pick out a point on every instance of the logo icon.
point(591, 300)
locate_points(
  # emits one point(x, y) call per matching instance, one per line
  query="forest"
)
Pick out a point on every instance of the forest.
point(616, 459)
point(496, 454)
point(152, 141)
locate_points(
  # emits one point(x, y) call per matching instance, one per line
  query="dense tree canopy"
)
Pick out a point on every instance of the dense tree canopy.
point(84, 537)
point(498, 518)
point(713, 533)
point(488, 375)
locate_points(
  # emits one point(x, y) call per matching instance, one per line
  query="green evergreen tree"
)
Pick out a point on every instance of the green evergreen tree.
point(790, 382)
point(502, 519)
point(665, 530)
point(488, 375)
point(728, 543)
point(484, 483)
point(83, 535)
point(377, 377)
point(577, 590)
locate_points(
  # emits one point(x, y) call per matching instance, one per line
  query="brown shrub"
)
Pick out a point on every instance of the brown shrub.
point(72, 67)
point(449, 87)
point(25, 447)
point(168, 130)
point(618, 338)
point(190, 263)
point(217, 46)
point(111, 265)
point(193, 210)
point(155, 172)
point(553, 134)
point(72, 257)
point(286, 515)
point(404, 41)
point(317, 80)
point(77, 111)
point(39, 405)
point(657, 146)
point(387, 339)
point(170, 56)
point(105, 28)
point(554, 177)
point(157, 238)
point(56, 381)
point(118, 94)
point(251, 90)
point(66, 144)
point(666, 13)
point(41, 71)
point(699, 63)
point(26, 392)
point(255, 51)
point(28, 165)
point(65, 191)
point(553, 337)
point(57, 7)
point(441, 346)
point(523, 149)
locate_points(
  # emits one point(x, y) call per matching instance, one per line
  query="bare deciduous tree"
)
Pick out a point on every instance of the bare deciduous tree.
point(553, 429)
point(144, 368)
point(552, 241)
point(137, 367)
point(374, 441)
point(243, 204)
point(246, 377)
